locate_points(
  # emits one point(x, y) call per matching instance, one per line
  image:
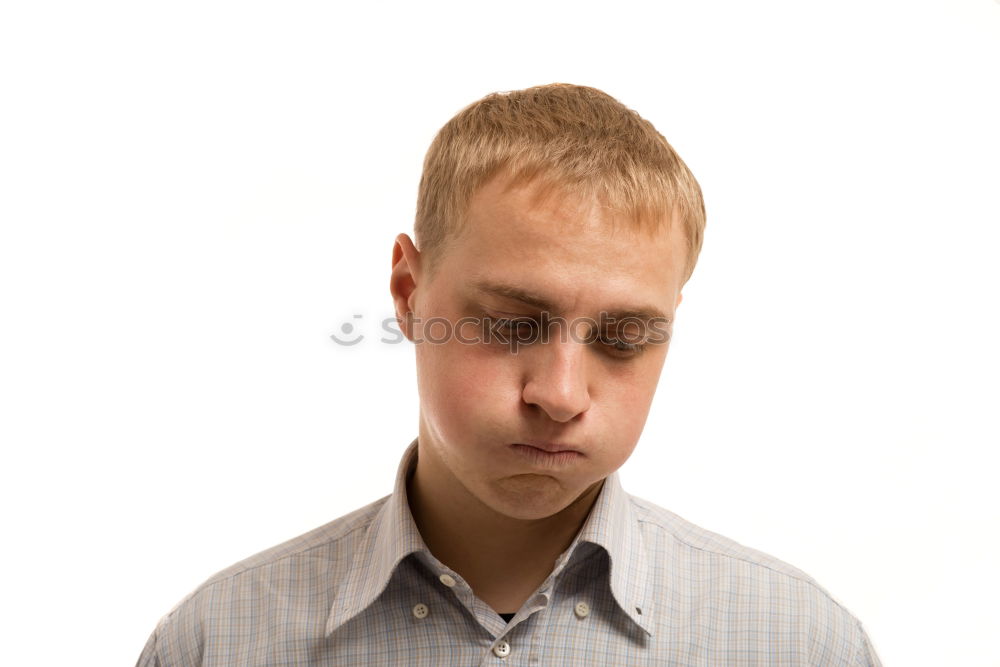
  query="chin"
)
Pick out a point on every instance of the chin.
point(528, 500)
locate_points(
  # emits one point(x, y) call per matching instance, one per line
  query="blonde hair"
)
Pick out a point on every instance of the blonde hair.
point(560, 138)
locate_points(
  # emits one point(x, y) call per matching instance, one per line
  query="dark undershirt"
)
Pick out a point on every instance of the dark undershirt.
point(507, 617)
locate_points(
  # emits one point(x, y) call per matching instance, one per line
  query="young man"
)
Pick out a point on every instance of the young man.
point(555, 231)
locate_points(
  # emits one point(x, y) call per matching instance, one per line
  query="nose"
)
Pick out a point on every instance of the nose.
point(556, 379)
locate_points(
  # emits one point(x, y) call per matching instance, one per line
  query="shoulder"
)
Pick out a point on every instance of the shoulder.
point(739, 586)
point(303, 570)
point(328, 543)
point(667, 529)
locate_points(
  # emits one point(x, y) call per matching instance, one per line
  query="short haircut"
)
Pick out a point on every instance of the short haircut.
point(559, 138)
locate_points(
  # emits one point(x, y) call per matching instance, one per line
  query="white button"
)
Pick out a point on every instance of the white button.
point(447, 580)
point(420, 611)
point(502, 649)
point(582, 609)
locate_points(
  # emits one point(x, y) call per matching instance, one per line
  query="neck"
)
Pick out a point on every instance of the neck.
point(501, 557)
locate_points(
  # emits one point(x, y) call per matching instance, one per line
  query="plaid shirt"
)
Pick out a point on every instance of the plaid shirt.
point(638, 586)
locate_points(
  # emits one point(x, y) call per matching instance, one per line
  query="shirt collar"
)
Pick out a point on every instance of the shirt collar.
point(393, 535)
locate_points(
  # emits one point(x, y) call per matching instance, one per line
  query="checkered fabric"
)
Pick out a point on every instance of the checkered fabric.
point(638, 586)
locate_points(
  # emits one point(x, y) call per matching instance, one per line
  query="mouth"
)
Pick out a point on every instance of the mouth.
point(550, 447)
point(546, 454)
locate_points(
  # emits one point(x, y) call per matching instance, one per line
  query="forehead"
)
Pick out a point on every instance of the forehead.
point(567, 250)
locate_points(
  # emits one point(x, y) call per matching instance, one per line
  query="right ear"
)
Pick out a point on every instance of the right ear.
point(403, 282)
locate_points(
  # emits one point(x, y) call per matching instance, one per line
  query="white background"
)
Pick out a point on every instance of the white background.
point(195, 195)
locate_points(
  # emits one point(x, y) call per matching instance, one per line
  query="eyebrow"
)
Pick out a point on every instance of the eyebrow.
point(515, 293)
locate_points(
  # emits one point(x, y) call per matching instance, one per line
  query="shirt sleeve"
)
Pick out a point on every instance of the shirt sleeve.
point(149, 656)
point(865, 656)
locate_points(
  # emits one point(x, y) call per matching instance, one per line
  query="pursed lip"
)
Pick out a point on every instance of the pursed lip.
point(552, 447)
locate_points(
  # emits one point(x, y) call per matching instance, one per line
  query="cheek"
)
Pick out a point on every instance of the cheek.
point(468, 389)
point(631, 399)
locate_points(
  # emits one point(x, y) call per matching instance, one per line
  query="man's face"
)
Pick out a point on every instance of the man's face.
point(481, 401)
